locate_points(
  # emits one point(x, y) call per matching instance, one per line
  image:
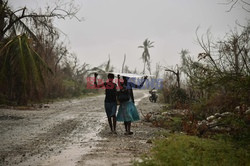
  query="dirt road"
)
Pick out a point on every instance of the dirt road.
point(65, 133)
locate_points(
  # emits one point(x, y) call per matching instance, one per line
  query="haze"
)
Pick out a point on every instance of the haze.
point(117, 27)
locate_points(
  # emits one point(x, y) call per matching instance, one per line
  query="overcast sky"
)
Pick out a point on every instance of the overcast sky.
point(118, 27)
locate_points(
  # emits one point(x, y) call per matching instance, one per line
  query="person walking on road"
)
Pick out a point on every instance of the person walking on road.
point(110, 102)
point(127, 111)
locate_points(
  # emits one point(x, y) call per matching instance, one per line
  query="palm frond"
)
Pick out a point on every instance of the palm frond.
point(22, 66)
point(21, 59)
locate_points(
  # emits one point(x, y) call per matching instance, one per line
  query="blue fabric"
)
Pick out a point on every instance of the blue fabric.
point(127, 112)
point(110, 108)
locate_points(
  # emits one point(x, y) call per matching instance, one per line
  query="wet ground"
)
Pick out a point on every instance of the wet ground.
point(72, 132)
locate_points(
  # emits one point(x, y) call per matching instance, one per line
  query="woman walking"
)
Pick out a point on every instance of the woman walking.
point(127, 112)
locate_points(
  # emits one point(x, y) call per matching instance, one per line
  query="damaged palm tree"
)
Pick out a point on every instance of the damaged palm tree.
point(21, 70)
point(21, 67)
point(145, 55)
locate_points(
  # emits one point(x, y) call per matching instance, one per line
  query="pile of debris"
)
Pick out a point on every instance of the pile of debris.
point(158, 119)
point(216, 122)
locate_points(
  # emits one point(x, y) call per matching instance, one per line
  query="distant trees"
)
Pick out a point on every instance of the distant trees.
point(219, 79)
point(146, 55)
point(224, 68)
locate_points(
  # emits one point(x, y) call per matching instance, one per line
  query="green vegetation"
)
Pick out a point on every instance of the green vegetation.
point(210, 105)
point(178, 149)
point(21, 68)
point(34, 65)
point(175, 124)
point(216, 83)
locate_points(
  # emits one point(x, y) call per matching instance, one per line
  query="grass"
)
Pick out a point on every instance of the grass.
point(180, 149)
point(175, 125)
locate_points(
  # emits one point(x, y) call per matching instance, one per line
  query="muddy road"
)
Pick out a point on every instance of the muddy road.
point(59, 134)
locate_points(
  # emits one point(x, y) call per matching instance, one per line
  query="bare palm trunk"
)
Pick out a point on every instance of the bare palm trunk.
point(149, 67)
point(178, 78)
point(123, 63)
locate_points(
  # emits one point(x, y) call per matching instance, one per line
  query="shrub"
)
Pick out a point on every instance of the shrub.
point(175, 96)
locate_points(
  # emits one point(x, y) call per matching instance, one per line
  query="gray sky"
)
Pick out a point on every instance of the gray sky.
point(118, 27)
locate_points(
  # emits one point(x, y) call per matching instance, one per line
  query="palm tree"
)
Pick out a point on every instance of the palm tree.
point(145, 55)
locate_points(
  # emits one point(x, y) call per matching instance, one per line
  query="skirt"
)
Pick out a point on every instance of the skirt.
point(127, 112)
point(110, 108)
